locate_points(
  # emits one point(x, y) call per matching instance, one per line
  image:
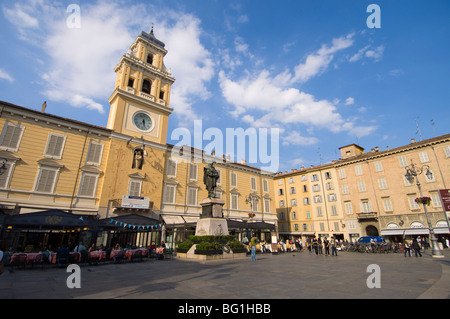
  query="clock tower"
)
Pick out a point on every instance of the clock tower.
point(140, 101)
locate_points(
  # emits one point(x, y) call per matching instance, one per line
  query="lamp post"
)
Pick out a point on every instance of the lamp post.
point(413, 172)
point(252, 199)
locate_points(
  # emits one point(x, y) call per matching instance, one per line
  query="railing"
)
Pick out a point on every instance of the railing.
point(368, 215)
point(147, 96)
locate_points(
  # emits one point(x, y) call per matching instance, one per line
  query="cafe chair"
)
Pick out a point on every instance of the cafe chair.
point(137, 255)
point(39, 260)
point(20, 261)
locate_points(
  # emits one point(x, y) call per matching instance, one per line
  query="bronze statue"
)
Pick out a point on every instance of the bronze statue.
point(210, 177)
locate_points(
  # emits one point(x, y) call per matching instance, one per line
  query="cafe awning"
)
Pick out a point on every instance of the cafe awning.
point(51, 219)
point(261, 225)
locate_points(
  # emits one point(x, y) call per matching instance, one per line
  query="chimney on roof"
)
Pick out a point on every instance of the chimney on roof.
point(44, 106)
point(413, 140)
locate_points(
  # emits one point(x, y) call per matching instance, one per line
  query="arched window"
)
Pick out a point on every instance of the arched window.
point(146, 86)
point(150, 58)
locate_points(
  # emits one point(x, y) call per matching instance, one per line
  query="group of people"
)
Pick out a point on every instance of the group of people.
point(415, 245)
point(318, 246)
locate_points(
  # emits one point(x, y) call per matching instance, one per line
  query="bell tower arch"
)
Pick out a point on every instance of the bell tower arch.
point(140, 103)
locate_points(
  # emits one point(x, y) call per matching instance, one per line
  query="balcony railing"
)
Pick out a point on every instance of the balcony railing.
point(368, 215)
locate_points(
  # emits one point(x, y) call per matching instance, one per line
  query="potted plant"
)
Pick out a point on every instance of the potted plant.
point(423, 200)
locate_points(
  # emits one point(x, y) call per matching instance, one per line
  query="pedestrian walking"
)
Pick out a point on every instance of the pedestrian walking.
point(407, 248)
point(415, 245)
point(333, 246)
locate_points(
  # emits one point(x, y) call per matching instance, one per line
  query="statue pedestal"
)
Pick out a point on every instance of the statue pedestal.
point(211, 222)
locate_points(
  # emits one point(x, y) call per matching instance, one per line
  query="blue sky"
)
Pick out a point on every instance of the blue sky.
point(313, 69)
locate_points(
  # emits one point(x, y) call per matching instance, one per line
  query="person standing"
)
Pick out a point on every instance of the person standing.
point(326, 243)
point(407, 248)
point(333, 246)
point(315, 245)
point(415, 245)
point(253, 247)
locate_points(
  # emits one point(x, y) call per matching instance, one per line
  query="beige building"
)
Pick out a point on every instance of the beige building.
point(50, 162)
point(366, 193)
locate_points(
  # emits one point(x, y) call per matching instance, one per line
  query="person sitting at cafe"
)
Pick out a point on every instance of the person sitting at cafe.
point(152, 249)
point(117, 256)
point(92, 248)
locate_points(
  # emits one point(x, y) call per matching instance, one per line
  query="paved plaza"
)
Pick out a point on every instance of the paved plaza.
point(295, 275)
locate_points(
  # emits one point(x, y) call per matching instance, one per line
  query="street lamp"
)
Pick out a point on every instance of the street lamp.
point(253, 200)
point(413, 172)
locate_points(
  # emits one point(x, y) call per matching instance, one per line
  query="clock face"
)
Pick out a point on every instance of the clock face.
point(142, 121)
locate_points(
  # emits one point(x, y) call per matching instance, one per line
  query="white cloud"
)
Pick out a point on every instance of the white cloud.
point(20, 17)
point(263, 100)
point(318, 62)
point(80, 67)
point(5, 76)
point(350, 101)
point(294, 138)
point(192, 62)
point(372, 53)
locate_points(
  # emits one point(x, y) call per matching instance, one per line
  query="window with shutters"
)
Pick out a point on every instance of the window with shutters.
point(265, 186)
point(447, 151)
point(234, 201)
point(382, 183)
point(11, 136)
point(46, 179)
point(424, 157)
point(348, 208)
point(412, 203)
point(253, 183)
point(233, 179)
point(192, 196)
point(5, 177)
point(387, 205)
point(402, 161)
point(266, 205)
point(134, 187)
point(88, 184)
point(345, 189)
point(169, 194)
point(95, 151)
point(378, 166)
point(365, 206)
point(362, 186)
point(319, 211)
point(55, 145)
point(171, 168)
point(193, 169)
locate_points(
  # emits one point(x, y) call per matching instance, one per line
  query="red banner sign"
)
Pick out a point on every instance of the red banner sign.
point(445, 196)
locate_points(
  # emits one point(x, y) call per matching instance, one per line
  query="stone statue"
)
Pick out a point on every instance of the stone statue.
point(210, 177)
point(138, 158)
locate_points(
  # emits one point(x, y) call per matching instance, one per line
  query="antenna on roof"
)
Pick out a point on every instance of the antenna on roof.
point(418, 128)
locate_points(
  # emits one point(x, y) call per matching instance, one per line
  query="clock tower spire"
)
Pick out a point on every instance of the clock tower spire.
point(141, 98)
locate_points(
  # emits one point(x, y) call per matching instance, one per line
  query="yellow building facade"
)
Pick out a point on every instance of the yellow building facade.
point(51, 162)
point(367, 193)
